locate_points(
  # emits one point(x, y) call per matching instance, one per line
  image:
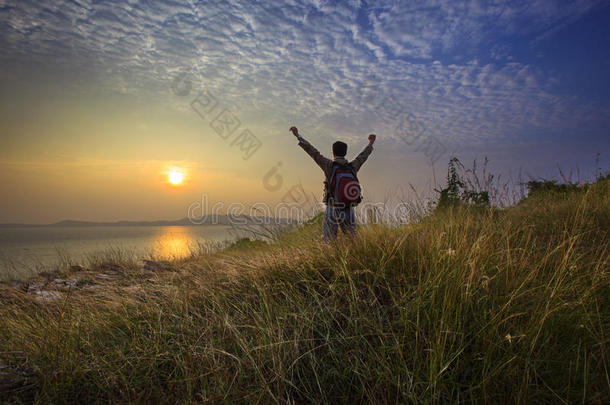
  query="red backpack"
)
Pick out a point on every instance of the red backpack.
point(344, 187)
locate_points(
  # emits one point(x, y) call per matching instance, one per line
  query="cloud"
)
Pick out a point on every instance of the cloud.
point(433, 28)
point(307, 62)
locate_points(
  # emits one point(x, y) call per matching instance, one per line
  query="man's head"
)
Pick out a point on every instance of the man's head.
point(339, 149)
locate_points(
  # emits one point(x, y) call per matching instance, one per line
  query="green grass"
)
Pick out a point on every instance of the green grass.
point(468, 305)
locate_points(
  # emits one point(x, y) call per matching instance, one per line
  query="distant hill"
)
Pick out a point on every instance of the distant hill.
point(206, 220)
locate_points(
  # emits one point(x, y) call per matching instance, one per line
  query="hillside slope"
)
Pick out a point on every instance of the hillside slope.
point(469, 305)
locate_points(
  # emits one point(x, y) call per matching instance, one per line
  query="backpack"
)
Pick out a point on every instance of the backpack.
point(344, 187)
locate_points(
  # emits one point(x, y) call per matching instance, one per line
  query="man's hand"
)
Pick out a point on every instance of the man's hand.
point(294, 131)
point(372, 138)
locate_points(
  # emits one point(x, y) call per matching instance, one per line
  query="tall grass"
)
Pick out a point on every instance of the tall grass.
point(467, 305)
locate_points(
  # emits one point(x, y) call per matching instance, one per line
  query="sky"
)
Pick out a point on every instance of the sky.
point(101, 99)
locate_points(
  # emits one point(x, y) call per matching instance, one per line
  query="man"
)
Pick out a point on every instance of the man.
point(337, 215)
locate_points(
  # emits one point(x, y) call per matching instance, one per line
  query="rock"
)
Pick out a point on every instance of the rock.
point(152, 265)
point(61, 284)
point(17, 285)
point(48, 295)
point(84, 278)
point(35, 287)
point(77, 267)
point(111, 268)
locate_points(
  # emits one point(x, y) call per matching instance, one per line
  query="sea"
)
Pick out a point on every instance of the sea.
point(26, 251)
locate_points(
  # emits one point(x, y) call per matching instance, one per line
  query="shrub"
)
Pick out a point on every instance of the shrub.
point(456, 193)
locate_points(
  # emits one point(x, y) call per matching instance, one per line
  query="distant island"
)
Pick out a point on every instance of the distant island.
point(205, 220)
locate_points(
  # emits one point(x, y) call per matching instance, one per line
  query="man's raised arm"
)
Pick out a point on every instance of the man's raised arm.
point(361, 158)
point(322, 161)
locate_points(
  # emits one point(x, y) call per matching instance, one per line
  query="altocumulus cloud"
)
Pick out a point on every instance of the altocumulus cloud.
point(448, 63)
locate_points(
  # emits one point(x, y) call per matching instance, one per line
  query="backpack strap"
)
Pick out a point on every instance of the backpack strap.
point(333, 172)
point(328, 184)
point(336, 166)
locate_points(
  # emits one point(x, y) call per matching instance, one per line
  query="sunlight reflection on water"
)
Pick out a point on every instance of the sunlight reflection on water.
point(26, 251)
point(175, 243)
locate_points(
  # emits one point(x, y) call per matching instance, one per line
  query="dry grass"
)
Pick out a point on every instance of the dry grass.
point(508, 306)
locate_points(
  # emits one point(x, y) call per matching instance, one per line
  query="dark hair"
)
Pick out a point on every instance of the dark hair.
point(339, 148)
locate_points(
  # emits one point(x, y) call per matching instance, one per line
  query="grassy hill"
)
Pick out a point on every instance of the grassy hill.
point(470, 304)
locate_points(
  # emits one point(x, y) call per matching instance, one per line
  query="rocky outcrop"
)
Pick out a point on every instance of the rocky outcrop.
point(51, 287)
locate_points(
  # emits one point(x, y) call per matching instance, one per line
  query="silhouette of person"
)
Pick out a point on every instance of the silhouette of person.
point(336, 215)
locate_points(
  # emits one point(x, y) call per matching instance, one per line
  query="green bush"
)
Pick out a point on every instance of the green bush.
point(456, 194)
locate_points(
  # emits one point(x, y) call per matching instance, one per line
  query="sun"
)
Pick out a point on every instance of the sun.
point(175, 176)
